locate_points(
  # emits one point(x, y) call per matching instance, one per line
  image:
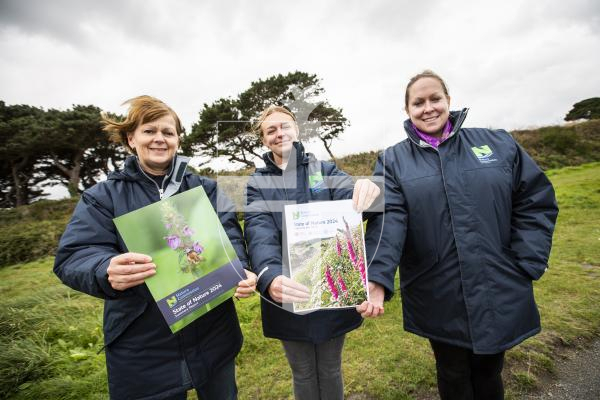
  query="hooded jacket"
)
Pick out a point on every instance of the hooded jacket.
point(470, 224)
point(144, 359)
point(305, 179)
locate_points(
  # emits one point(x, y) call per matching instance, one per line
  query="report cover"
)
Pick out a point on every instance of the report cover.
point(325, 244)
point(196, 265)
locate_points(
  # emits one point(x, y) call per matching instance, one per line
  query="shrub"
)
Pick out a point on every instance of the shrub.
point(40, 210)
point(557, 139)
point(29, 241)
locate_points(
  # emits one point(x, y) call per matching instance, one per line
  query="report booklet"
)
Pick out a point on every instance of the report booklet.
point(197, 268)
point(326, 252)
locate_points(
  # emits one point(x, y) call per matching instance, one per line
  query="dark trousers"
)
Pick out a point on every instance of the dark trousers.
point(463, 375)
point(221, 386)
point(316, 369)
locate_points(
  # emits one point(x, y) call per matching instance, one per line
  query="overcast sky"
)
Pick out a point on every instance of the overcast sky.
point(516, 64)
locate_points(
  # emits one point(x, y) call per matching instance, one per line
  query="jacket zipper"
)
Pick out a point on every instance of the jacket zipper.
point(161, 188)
point(459, 122)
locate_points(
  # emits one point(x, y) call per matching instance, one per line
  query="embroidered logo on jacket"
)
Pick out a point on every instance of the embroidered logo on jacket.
point(315, 182)
point(484, 154)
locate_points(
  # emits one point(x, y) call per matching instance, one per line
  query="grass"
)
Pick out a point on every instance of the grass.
point(568, 295)
point(50, 335)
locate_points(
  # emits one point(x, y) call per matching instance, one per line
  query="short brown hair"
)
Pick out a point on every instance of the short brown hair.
point(142, 109)
point(425, 74)
point(272, 109)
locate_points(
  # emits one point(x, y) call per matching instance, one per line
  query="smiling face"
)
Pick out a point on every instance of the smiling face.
point(155, 144)
point(279, 131)
point(428, 106)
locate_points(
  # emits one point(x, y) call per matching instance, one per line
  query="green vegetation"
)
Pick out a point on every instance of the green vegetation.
point(28, 233)
point(66, 147)
point(361, 164)
point(50, 335)
point(585, 109)
point(224, 127)
point(561, 146)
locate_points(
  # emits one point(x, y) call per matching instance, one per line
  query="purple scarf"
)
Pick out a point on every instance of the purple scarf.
point(431, 140)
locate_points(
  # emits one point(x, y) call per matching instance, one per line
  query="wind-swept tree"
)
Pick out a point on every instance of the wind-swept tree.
point(223, 128)
point(78, 150)
point(51, 147)
point(21, 145)
point(585, 109)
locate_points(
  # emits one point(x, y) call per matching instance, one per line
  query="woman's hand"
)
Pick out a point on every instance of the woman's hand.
point(286, 290)
point(246, 287)
point(129, 269)
point(365, 193)
point(374, 307)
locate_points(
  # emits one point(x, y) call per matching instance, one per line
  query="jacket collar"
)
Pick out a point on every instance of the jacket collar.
point(132, 171)
point(301, 158)
point(456, 117)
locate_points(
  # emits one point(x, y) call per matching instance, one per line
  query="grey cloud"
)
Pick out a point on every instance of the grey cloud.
point(393, 19)
point(583, 12)
point(77, 22)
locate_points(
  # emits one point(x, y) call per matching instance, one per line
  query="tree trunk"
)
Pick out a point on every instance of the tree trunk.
point(19, 196)
point(328, 148)
point(72, 174)
point(20, 185)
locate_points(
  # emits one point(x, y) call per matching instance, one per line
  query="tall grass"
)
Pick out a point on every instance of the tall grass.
point(49, 336)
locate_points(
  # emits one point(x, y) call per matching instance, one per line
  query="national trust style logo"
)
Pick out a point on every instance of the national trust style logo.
point(484, 154)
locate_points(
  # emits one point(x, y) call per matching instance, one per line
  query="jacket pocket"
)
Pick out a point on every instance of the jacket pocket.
point(412, 270)
point(511, 255)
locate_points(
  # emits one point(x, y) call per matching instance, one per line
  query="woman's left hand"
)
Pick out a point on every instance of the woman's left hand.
point(247, 286)
point(374, 307)
point(365, 193)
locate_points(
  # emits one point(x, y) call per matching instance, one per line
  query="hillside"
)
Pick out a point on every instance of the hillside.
point(30, 232)
point(561, 146)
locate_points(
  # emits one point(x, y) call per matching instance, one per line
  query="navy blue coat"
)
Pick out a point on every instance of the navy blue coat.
point(470, 225)
point(263, 227)
point(144, 359)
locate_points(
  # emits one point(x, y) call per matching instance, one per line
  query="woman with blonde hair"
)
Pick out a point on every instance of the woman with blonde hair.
point(312, 342)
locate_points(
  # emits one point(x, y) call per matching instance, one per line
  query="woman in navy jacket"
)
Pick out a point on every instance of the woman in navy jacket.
point(469, 218)
point(312, 342)
point(143, 358)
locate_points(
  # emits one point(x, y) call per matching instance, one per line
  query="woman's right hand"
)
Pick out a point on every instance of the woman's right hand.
point(129, 269)
point(286, 290)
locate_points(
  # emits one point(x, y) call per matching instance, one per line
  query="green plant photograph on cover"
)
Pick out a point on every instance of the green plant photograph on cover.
point(328, 257)
point(189, 246)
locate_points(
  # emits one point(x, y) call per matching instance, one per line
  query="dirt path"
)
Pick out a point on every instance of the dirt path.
point(577, 377)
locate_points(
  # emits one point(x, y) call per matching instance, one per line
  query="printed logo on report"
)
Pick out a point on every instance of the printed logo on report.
point(484, 154)
point(172, 301)
point(304, 214)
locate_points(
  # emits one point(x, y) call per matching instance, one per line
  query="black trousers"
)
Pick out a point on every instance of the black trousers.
point(463, 375)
